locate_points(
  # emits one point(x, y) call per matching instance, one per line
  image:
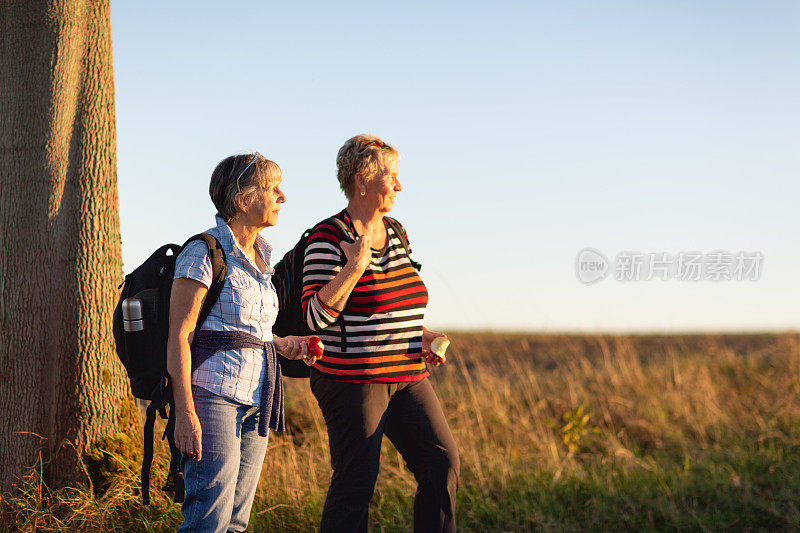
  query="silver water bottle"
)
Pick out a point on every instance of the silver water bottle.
point(132, 318)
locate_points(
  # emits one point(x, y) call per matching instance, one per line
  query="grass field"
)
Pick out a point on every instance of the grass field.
point(556, 433)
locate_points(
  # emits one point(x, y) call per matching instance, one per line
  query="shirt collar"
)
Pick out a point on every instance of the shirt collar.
point(230, 244)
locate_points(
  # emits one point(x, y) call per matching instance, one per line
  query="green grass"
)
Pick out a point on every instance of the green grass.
point(735, 489)
point(556, 433)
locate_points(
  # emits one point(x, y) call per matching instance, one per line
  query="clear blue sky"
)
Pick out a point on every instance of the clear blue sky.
point(527, 130)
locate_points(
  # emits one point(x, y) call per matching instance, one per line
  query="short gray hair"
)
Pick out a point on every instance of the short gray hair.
point(240, 174)
point(366, 155)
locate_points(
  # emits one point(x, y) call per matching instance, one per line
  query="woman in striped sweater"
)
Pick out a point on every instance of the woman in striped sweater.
point(367, 302)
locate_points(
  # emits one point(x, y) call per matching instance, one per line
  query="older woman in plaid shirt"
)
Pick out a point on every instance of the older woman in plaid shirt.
point(228, 388)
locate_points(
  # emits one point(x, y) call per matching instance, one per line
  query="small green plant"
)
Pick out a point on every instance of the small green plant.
point(576, 427)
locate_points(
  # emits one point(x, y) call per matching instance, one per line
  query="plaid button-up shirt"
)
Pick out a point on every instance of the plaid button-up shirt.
point(248, 303)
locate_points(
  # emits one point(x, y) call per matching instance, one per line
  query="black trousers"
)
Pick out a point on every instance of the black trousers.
point(357, 416)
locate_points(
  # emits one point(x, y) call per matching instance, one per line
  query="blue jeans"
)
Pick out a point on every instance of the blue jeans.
point(221, 486)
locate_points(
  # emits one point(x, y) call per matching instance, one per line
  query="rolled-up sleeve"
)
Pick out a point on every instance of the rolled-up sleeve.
point(194, 263)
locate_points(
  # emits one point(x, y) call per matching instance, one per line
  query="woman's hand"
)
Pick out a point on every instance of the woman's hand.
point(288, 346)
point(188, 434)
point(312, 349)
point(336, 292)
point(358, 253)
point(296, 347)
point(427, 338)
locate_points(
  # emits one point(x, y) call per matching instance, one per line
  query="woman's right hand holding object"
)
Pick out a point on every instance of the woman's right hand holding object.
point(308, 348)
point(311, 349)
point(358, 253)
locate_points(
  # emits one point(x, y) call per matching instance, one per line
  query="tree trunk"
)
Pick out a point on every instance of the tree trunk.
point(60, 261)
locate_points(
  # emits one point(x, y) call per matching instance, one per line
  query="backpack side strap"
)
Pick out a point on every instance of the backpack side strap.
point(174, 482)
point(147, 460)
point(400, 231)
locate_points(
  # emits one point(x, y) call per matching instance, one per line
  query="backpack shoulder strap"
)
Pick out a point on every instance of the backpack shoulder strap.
point(400, 231)
point(347, 232)
point(219, 271)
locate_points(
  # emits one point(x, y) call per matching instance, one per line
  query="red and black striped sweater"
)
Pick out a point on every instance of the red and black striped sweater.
point(382, 318)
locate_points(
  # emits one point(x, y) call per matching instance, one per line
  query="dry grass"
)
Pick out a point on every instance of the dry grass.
point(555, 433)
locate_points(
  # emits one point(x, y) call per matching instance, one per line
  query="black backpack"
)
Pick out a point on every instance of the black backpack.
point(141, 327)
point(288, 282)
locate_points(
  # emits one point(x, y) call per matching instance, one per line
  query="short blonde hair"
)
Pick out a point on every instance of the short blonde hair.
point(366, 155)
point(240, 174)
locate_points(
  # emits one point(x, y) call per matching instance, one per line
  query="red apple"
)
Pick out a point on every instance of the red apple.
point(315, 347)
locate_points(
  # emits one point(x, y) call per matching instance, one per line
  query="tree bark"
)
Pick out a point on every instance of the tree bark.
point(60, 260)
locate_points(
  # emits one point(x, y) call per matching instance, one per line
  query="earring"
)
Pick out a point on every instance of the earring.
point(363, 193)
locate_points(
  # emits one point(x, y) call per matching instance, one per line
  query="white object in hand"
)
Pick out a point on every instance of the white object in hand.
point(439, 345)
